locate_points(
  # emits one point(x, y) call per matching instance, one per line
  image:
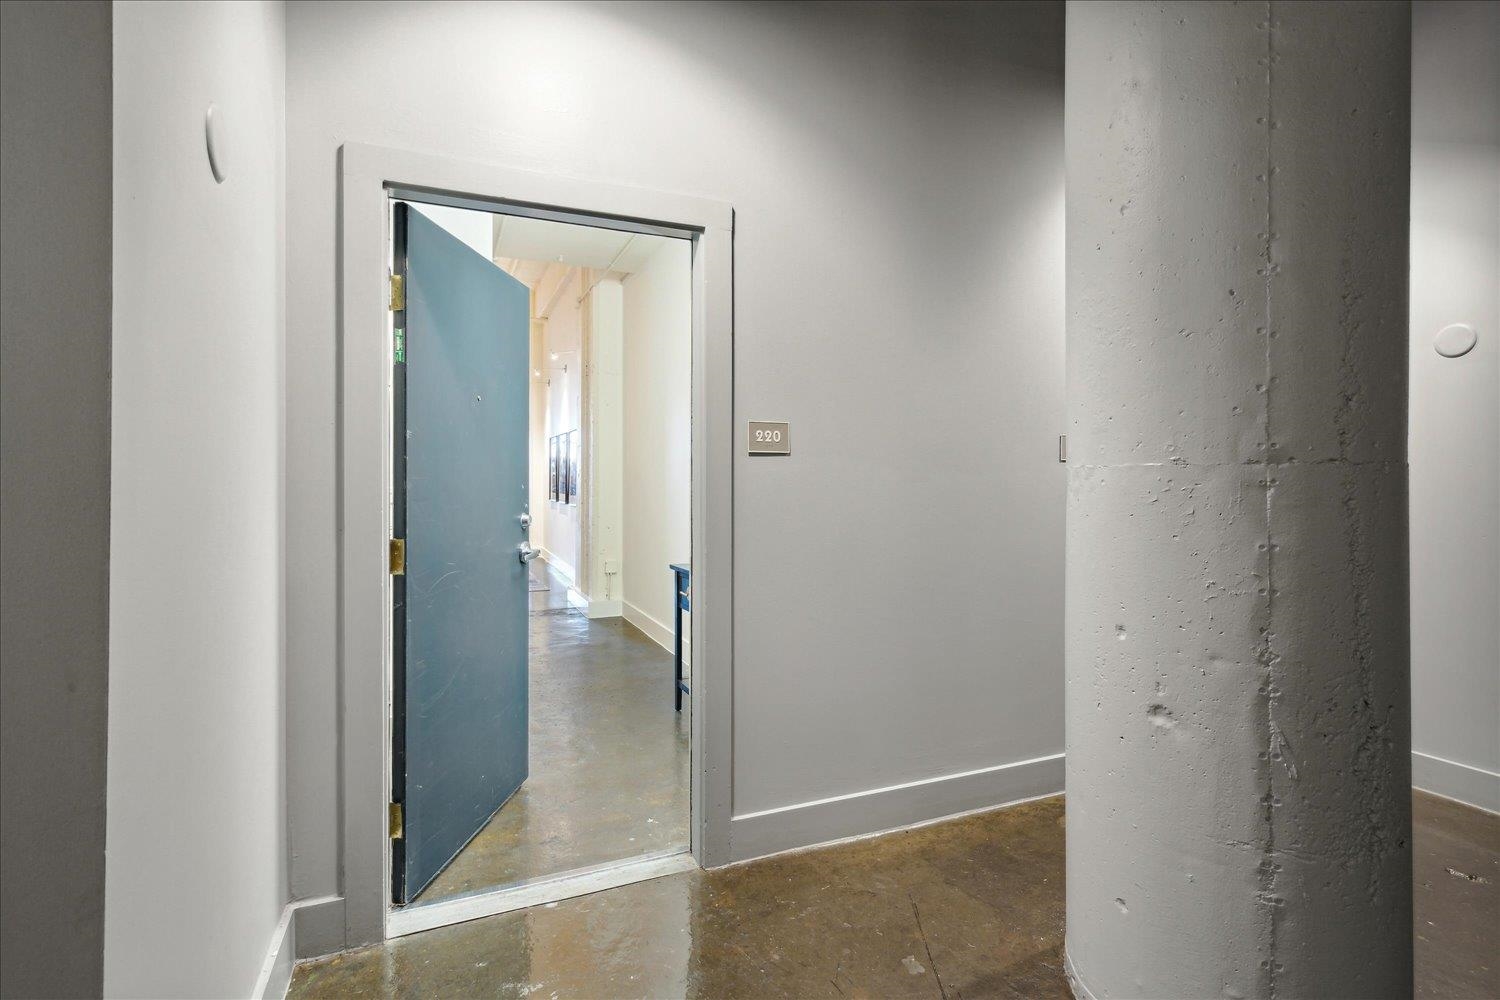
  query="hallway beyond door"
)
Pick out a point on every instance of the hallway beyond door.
point(609, 756)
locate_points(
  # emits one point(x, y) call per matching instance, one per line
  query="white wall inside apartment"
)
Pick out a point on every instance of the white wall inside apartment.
point(196, 835)
point(605, 482)
point(562, 378)
point(658, 371)
point(897, 176)
point(1455, 403)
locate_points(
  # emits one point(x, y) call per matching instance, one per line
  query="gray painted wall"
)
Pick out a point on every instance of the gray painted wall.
point(54, 493)
point(196, 879)
point(1455, 403)
point(897, 176)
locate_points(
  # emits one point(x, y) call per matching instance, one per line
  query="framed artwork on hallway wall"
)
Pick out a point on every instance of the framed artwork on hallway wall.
point(574, 453)
point(552, 469)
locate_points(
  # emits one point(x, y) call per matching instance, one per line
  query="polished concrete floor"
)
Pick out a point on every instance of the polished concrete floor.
point(965, 909)
point(608, 757)
point(1456, 871)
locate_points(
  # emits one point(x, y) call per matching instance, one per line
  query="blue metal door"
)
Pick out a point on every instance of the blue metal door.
point(462, 365)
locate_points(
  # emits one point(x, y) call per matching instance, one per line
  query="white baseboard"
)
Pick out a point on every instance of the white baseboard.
point(656, 631)
point(600, 608)
point(880, 810)
point(318, 926)
point(562, 568)
point(1464, 783)
point(276, 970)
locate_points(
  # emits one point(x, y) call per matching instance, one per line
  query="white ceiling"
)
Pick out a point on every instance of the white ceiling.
point(531, 249)
point(574, 246)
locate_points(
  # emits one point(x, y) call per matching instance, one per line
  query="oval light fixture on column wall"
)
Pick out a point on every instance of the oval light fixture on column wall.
point(212, 126)
point(1455, 340)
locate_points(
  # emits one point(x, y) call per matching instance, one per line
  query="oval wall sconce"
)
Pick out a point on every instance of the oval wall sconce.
point(1455, 340)
point(212, 126)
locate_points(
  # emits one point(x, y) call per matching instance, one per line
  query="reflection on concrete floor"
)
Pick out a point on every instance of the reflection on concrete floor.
point(970, 908)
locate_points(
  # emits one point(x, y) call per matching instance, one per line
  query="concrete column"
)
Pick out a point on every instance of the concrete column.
point(1239, 768)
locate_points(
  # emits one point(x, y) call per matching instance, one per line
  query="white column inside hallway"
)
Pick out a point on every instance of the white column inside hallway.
point(1237, 650)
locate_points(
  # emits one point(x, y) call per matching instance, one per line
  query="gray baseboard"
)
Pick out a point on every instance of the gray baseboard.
point(319, 926)
point(879, 810)
point(1464, 783)
point(276, 970)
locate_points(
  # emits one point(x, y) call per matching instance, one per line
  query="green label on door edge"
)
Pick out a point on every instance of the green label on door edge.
point(400, 346)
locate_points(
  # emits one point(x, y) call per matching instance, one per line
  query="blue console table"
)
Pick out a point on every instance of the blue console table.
point(682, 583)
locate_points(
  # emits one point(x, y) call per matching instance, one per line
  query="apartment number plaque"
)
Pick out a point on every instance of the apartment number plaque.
point(770, 437)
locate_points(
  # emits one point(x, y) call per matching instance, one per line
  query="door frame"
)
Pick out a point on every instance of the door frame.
point(369, 176)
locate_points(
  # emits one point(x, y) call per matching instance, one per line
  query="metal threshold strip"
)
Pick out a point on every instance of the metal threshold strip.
point(535, 892)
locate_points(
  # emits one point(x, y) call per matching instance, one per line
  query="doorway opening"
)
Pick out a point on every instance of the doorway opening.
point(541, 496)
point(371, 180)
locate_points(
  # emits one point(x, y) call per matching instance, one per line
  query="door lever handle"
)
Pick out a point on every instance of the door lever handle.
point(527, 553)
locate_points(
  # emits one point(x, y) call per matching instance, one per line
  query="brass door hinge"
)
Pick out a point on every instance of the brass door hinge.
point(398, 557)
point(398, 293)
point(398, 822)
